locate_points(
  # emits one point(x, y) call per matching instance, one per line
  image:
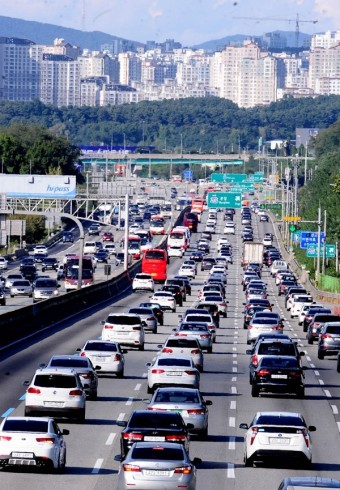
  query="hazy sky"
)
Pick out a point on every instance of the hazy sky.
point(187, 21)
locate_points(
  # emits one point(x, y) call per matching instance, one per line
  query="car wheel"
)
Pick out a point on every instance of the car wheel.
point(338, 366)
point(149, 390)
point(81, 416)
point(250, 379)
point(174, 310)
point(155, 330)
point(204, 434)
point(12, 295)
point(161, 322)
point(304, 328)
point(93, 396)
point(310, 341)
point(120, 374)
point(300, 393)
point(321, 355)
point(209, 350)
point(247, 461)
point(141, 347)
point(254, 391)
point(61, 465)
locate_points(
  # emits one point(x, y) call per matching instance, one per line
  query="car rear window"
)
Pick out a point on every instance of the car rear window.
point(157, 453)
point(123, 320)
point(264, 321)
point(333, 329)
point(278, 363)
point(279, 420)
point(73, 363)
point(101, 346)
point(181, 343)
point(55, 381)
point(24, 425)
point(164, 420)
point(141, 311)
point(176, 397)
point(277, 349)
point(174, 362)
point(45, 283)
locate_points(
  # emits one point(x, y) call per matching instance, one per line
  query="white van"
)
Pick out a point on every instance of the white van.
point(124, 328)
point(277, 265)
point(89, 248)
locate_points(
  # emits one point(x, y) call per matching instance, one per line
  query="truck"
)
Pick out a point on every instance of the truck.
point(252, 253)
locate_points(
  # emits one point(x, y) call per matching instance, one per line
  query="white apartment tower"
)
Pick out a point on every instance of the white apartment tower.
point(324, 64)
point(60, 81)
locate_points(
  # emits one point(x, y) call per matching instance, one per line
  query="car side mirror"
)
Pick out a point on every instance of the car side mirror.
point(102, 322)
point(190, 426)
point(208, 402)
point(97, 368)
point(244, 426)
point(196, 461)
point(65, 432)
point(148, 364)
point(302, 353)
point(312, 428)
point(26, 383)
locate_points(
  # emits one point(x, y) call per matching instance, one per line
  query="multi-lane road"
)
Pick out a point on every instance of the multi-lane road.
point(93, 448)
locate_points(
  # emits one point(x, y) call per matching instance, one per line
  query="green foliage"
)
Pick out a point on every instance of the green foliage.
point(35, 227)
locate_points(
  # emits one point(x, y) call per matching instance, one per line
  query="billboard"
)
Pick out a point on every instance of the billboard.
point(38, 186)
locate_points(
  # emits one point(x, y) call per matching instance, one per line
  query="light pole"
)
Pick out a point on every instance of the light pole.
point(181, 144)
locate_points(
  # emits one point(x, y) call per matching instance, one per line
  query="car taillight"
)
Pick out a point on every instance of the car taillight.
point(190, 373)
point(83, 354)
point(254, 360)
point(253, 434)
point(294, 374)
point(35, 391)
point(135, 436)
point(185, 470)
point(175, 438)
point(326, 336)
point(131, 468)
point(205, 336)
point(263, 372)
point(117, 357)
point(276, 327)
point(75, 393)
point(157, 371)
point(5, 438)
point(137, 328)
point(108, 326)
point(195, 351)
point(47, 440)
point(305, 436)
point(197, 411)
point(167, 350)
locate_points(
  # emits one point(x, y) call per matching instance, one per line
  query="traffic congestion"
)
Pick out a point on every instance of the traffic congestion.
point(217, 367)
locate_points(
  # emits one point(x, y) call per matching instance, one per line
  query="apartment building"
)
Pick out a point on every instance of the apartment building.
point(324, 63)
point(59, 80)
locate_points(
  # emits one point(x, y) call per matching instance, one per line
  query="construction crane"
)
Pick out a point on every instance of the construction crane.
point(297, 21)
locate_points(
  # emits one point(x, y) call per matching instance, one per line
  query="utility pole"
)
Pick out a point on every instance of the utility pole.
point(324, 245)
point(306, 159)
point(319, 245)
point(126, 233)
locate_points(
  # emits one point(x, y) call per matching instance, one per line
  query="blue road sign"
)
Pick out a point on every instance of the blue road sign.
point(187, 174)
point(310, 238)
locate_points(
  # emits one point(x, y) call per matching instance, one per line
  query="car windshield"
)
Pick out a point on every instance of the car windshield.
point(25, 425)
point(157, 453)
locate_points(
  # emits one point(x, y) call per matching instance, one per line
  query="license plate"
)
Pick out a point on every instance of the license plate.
point(155, 473)
point(154, 439)
point(101, 359)
point(279, 440)
point(174, 373)
point(53, 404)
point(279, 376)
point(23, 455)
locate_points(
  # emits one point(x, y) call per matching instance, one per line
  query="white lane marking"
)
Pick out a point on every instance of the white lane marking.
point(234, 390)
point(110, 439)
point(234, 379)
point(234, 348)
point(321, 382)
point(233, 405)
point(121, 416)
point(308, 358)
point(231, 444)
point(316, 373)
point(232, 421)
point(235, 362)
point(234, 369)
point(338, 424)
point(312, 365)
point(97, 466)
point(327, 393)
point(234, 355)
point(334, 409)
point(231, 471)
point(138, 387)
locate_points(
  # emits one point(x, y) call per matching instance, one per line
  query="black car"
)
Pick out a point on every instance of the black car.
point(187, 283)
point(67, 237)
point(197, 256)
point(26, 261)
point(313, 310)
point(176, 291)
point(247, 237)
point(29, 272)
point(101, 256)
point(180, 281)
point(147, 425)
point(49, 263)
point(207, 263)
point(276, 374)
point(2, 297)
point(157, 310)
point(204, 247)
point(146, 216)
point(249, 313)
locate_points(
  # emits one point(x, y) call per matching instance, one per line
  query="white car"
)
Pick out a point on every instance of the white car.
point(21, 287)
point(175, 252)
point(304, 309)
point(106, 354)
point(11, 278)
point(272, 433)
point(168, 370)
point(218, 268)
point(229, 228)
point(187, 270)
point(32, 441)
point(41, 250)
point(298, 302)
point(57, 392)
point(165, 299)
point(124, 328)
point(143, 282)
point(210, 227)
point(267, 241)
point(222, 241)
point(3, 263)
point(184, 346)
point(110, 248)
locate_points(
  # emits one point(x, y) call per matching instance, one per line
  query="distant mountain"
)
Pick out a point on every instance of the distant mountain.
point(217, 44)
point(41, 33)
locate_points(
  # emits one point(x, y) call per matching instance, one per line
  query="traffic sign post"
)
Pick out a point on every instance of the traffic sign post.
point(224, 200)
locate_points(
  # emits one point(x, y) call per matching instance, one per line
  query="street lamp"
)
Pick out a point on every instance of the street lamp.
point(181, 144)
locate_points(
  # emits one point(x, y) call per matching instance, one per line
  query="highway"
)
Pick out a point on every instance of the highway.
point(93, 448)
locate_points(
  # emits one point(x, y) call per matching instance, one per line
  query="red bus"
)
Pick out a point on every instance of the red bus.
point(155, 262)
point(190, 220)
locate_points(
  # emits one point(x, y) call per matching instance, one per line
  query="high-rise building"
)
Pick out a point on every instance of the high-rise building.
point(60, 80)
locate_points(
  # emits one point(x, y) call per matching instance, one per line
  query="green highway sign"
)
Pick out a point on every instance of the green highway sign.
point(292, 228)
point(224, 200)
point(271, 205)
point(242, 186)
point(226, 178)
point(255, 178)
point(312, 251)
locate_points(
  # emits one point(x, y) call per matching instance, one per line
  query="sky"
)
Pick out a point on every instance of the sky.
point(189, 22)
